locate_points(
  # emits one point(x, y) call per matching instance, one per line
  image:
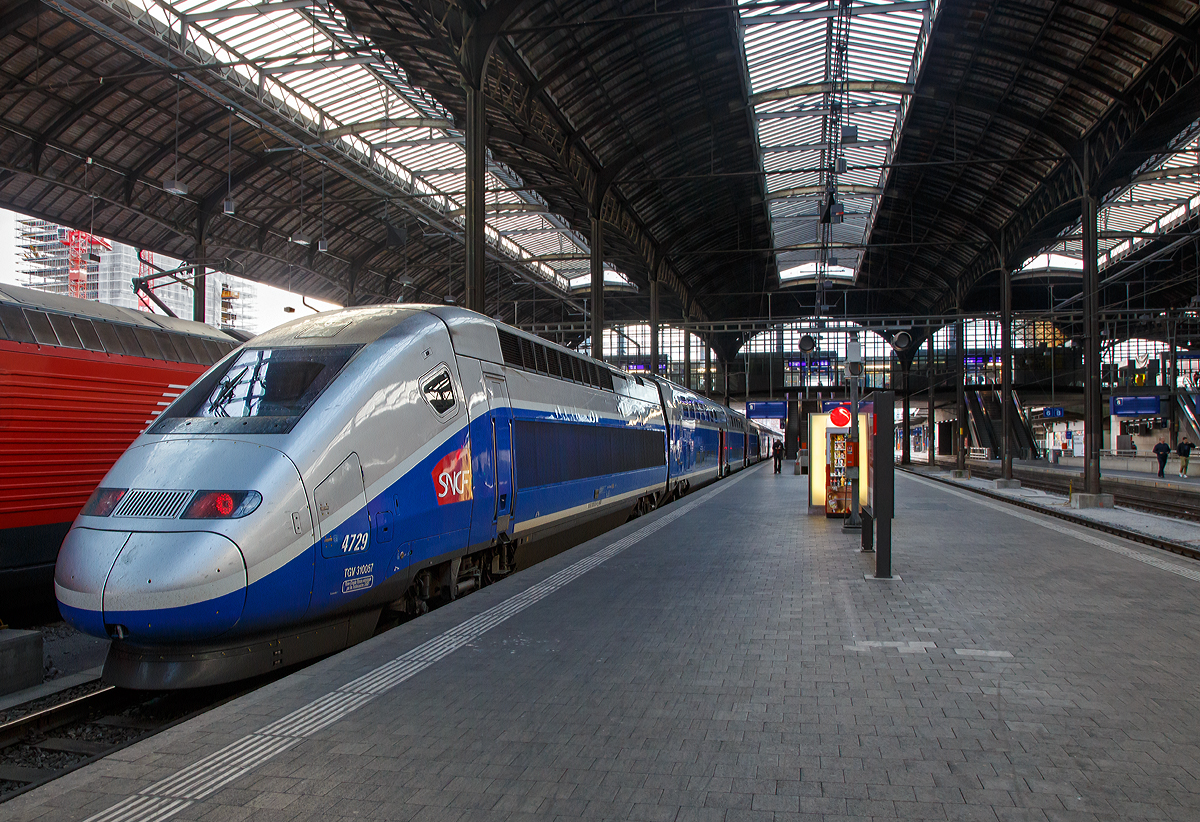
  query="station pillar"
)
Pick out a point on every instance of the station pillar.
point(1006, 399)
point(597, 265)
point(931, 432)
point(687, 358)
point(654, 325)
point(199, 285)
point(476, 185)
point(906, 420)
point(1092, 419)
point(708, 369)
point(960, 378)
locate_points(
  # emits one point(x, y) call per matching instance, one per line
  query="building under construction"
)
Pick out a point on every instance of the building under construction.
point(66, 261)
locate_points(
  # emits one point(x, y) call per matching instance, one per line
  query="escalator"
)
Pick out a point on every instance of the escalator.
point(986, 415)
point(1188, 405)
point(983, 432)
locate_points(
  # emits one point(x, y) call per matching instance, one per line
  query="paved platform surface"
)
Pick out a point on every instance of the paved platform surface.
point(725, 659)
point(1173, 529)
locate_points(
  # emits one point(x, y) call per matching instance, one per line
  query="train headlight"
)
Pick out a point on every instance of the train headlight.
point(102, 502)
point(222, 504)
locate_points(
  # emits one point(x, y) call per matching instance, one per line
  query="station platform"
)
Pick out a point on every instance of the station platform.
point(1188, 486)
point(725, 658)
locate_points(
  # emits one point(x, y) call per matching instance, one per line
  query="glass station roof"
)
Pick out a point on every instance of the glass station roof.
point(1163, 194)
point(302, 53)
point(813, 110)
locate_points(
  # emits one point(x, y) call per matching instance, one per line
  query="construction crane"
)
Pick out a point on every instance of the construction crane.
point(79, 255)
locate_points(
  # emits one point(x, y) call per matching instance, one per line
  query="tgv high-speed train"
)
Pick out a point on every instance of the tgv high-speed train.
point(363, 459)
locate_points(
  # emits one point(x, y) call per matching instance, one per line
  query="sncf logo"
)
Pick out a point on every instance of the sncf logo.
point(452, 476)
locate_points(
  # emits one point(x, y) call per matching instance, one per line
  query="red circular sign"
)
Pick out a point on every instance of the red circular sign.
point(840, 417)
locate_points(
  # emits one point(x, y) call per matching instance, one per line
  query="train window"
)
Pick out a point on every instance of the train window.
point(87, 334)
point(39, 323)
point(15, 325)
point(606, 379)
point(65, 331)
point(540, 352)
point(552, 360)
point(438, 390)
point(266, 382)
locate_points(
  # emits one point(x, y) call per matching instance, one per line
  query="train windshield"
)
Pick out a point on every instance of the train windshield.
point(273, 382)
point(261, 390)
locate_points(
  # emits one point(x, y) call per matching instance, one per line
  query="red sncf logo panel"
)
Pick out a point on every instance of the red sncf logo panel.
point(452, 476)
point(840, 416)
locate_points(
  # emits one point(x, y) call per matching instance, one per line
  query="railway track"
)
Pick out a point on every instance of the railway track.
point(1161, 501)
point(48, 741)
point(1036, 483)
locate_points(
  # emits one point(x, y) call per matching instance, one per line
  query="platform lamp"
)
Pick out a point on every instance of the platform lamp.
point(174, 186)
point(854, 372)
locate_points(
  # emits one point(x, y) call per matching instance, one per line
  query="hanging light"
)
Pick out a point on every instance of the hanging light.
point(300, 238)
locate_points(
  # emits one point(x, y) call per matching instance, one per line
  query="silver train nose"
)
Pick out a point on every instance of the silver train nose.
point(151, 587)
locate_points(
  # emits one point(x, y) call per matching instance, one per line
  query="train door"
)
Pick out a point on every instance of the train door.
point(502, 425)
point(345, 565)
point(721, 455)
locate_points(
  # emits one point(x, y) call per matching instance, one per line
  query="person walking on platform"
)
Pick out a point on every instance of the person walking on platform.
point(1162, 451)
point(1184, 450)
point(777, 455)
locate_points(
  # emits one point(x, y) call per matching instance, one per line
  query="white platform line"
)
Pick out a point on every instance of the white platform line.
point(1082, 536)
point(168, 796)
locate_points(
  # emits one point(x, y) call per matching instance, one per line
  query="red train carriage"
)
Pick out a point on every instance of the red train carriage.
point(79, 381)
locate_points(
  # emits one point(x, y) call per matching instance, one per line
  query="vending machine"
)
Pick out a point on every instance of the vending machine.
point(837, 483)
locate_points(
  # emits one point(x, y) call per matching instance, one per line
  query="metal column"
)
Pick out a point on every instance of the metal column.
point(960, 377)
point(707, 369)
point(1091, 347)
point(654, 326)
point(931, 432)
point(687, 359)
point(476, 150)
point(1006, 421)
point(199, 285)
point(597, 287)
point(906, 424)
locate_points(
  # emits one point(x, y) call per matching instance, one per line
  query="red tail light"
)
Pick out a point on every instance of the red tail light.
point(102, 502)
point(222, 504)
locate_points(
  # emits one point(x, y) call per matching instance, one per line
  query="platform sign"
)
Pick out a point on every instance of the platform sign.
point(1135, 406)
point(769, 410)
point(1053, 413)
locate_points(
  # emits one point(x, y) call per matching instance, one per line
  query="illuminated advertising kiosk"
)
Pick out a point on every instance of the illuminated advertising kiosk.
point(830, 459)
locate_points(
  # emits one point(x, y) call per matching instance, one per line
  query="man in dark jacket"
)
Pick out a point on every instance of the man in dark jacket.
point(1184, 450)
point(1162, 451)
point(777, 455)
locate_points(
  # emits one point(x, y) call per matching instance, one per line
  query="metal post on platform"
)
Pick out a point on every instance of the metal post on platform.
point(854, 370)
point(1091, 324)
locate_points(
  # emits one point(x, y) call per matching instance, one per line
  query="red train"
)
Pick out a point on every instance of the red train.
point(79, 380)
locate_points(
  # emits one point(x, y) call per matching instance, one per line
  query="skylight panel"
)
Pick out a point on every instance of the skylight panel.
point(790, 53)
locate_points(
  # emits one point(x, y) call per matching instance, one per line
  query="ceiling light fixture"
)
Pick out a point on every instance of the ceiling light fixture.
point(174, 186)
